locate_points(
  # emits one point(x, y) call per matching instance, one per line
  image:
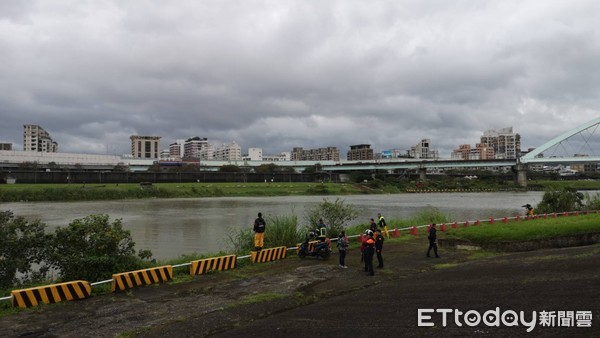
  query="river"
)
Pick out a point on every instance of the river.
point(172, 227)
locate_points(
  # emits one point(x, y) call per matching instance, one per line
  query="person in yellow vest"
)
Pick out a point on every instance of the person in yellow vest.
point(383, 226)
point(259, 232)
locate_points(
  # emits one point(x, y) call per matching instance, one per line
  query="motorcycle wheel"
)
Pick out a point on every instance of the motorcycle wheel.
point(302, 254)
point(324, 253)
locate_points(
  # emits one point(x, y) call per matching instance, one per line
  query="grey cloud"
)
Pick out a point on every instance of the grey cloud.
point(278, 74)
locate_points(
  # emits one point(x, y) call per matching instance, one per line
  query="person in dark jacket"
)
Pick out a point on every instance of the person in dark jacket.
point(342, 244)
point(432, 241)
point(379, 247)
point(369, 251)
point(259, 232)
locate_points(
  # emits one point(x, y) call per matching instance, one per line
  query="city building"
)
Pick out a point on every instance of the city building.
point(35, 138)
point(506, 144)
point(584, 168)
point(423, 150)
point(360, 152)
point(145, 146)
point(176, 149)
point(255, 154)
point(193, 147)
point(320, 154)
point(5, 146)
point(228, 152)
point(466, 152)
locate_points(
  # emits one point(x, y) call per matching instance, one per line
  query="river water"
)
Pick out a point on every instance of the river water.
point(172, 227)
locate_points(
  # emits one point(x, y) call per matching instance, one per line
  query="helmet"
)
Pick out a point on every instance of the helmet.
point(311, 234)
point(369, 232)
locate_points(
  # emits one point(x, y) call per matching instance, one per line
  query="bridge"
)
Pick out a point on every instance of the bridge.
point(578, 145)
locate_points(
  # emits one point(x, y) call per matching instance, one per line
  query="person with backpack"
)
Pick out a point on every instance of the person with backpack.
point(342, 244)
point(259, 232)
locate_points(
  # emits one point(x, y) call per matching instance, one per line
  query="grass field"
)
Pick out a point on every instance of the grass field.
point(527, 230)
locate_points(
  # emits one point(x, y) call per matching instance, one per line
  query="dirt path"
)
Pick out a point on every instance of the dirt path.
point(296, 297)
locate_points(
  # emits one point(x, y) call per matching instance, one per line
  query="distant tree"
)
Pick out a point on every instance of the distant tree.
point(230, 168)
point(22, 244)
point(267, 168)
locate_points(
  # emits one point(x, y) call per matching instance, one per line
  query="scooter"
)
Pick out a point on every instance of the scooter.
point(319, 249)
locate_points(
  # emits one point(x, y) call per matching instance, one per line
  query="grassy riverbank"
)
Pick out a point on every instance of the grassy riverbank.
point(90, 192)
point(79, 192)
point(536, 229)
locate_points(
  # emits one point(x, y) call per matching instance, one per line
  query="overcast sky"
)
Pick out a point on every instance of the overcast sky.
point(281, 74)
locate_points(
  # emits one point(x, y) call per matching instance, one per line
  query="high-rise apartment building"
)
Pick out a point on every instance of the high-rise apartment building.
point(193, 147)
point(145, 146)
point(35, 138)
point(320, 154)
point(506, 144)
point(423, 150)
point(176, 149)
point(360, 152)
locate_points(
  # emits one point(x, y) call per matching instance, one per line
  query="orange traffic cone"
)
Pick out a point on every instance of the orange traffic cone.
point(414, 231)
point(466, 224)
point(396, 233)
point(505, 220)
point(455, 225)
point(476, 223)
point(492, 220)
point(443, 227)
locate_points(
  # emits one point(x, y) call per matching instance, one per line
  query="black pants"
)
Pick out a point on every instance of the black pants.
point(343, 257)
point(379, 259)
point(432, 245)
point(369, 264)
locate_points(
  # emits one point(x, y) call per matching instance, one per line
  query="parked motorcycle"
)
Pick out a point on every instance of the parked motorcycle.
point(314, 248)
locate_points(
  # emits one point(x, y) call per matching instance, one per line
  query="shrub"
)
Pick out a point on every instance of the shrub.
point(22, 244)
point(565, 199)
point(334, 214)
point(93, 248)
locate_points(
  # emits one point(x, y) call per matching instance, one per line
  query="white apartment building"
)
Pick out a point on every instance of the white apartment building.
point(35, 138)
point(423, 150)
point(255, 154)
point(228, 152)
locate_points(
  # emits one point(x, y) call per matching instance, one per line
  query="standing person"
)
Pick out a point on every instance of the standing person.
point(379, 247)
point(369, 246)
point(373, 225)
point(432, 241)
point(342, 244)
point(383, 226)
point(259, 232)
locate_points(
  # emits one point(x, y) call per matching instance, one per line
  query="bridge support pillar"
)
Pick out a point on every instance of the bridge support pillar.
point(422, 173)
point(521, 171)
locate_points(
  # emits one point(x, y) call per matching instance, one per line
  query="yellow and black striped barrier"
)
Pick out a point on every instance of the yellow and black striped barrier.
point(311, 246)
point(131, 279)
point(203, 266)
point(50, 294)
point(267, 255)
